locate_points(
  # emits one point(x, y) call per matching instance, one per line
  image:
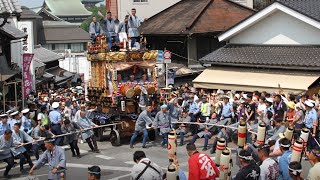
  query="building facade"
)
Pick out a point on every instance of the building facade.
point(275, 49)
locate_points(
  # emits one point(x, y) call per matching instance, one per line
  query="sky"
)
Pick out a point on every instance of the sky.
point(36, 3)
point(31, 3)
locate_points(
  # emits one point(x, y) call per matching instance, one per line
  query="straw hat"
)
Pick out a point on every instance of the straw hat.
point(291, 105)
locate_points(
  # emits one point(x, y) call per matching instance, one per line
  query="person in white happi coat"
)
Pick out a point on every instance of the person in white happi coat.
point(145, 168)
point(6, 143)
point(88, 135)
point(20, 137)
point(4, 125)
point(134, 24)
point(15, 119)
point(55, 157)
point(26, 121)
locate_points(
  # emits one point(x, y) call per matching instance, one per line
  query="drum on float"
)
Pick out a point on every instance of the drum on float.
point(127, 91)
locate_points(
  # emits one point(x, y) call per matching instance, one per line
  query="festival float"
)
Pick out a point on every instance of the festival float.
point(116, 85)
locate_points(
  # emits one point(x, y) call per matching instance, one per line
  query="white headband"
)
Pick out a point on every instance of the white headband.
point(295, 171)
point(283, 145)
point(91, 172)
point(248, 158)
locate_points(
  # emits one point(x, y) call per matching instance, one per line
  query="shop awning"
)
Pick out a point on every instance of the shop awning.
point(241, 79)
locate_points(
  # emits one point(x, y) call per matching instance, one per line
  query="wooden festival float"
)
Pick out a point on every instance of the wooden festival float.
point(117, 101)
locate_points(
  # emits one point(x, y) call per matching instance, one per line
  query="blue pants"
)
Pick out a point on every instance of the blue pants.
point(56, 130)
point(181, 137)
point(135, 134)
point(109, 40)
point(164, 138)
point(93, 38)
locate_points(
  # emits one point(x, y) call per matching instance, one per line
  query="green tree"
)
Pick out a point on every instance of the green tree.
point(85, 24)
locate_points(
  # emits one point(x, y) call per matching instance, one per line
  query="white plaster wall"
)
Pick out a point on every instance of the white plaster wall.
point(248, 3)
point(78, 64)
point(279, 28)
point(144, 9)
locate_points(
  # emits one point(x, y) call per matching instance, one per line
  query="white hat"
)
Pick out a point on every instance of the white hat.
point(14, 113)
point(46, 99)
point(225, 97)
point(9, 111)
point(245, 96)
point(3, 115)
point(25, 111)
point(55, 105)
point(220, 91)
point(270, 100)
point(237, 96)
point(309, 104)
point(242, 100)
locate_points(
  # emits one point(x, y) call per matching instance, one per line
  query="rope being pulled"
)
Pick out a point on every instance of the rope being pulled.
point(61, 135)
point(218, 125)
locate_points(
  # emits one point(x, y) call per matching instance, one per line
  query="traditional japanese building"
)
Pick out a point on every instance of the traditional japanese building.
point(10, 73)
point(52, 70)
point(276, 48)
point(189, 28)
point(71, 10)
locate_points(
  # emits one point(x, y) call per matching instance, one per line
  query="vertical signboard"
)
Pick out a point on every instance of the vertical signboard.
point(27, 80)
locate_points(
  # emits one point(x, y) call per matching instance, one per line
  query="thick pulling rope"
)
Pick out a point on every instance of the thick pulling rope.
point(218, 125)
point(223, 126)
point(61, 135)
point(316, 142)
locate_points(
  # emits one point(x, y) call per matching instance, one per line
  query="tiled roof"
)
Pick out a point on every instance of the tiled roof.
point(11, 31)
point(44, 55)
point(10, 6)
point(63, 32)
point(196, 16)
point(67, 8)
point(56, 72)
point(310, 8)
point(43, 12)
point(278, 57)
point(28, 14)
point(37, 63)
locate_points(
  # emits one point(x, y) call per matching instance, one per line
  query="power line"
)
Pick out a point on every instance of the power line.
point(184, 57)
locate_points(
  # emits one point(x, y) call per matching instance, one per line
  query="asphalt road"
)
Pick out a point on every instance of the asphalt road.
point(116, 162)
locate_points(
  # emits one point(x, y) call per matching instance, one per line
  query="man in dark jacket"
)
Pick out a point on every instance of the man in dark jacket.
point(249, 169)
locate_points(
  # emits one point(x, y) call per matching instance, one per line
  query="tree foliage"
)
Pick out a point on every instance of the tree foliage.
point(85, 24)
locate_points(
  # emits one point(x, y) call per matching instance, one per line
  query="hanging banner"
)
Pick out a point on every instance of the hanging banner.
point(27, 80)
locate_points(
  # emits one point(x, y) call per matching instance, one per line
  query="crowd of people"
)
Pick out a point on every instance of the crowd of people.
point(48, 115)
point(206, 114)
point(197, 112)
point(129, 27)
